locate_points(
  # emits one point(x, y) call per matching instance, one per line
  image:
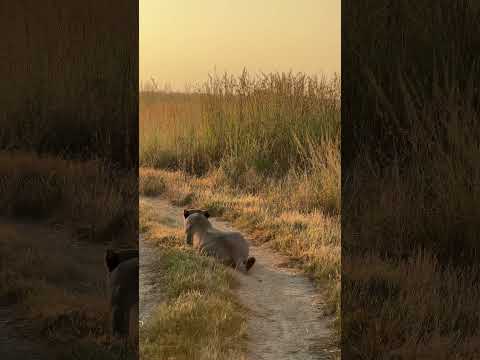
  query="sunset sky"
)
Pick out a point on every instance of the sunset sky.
point(182, 41)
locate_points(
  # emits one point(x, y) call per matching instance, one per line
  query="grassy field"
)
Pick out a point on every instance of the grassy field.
point(262, 152)
point(410, 201)
point(70, 86)
point(46, 202)
point(90, 196)
point(68, 165)
point(77, 322)
point(198, 316)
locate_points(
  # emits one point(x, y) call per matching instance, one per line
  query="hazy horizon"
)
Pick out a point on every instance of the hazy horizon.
point(182, 42)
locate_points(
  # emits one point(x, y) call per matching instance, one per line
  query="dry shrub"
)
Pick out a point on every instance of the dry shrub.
point(88, 195)
point(410, 206)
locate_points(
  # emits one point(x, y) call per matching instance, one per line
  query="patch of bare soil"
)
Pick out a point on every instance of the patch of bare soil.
point(150, 267)
point(19, 338)
point(149, 287)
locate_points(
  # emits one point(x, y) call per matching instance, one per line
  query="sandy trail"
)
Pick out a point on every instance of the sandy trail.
point(149, 287)
point(285, 319)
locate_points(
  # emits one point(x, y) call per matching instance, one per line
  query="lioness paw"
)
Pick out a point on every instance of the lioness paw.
point(249, 263)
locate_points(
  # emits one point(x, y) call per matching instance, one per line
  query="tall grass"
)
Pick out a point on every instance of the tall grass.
point(69, 79)
point(268, 123)
point(263, 151)
point(68, 147)
point(69, 93)
point(411, 169)
point(89, 197)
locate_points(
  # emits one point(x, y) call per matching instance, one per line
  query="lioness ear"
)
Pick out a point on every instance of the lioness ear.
point(206, 213)
point(111, 259)
point(186, 213)
point(110, 254)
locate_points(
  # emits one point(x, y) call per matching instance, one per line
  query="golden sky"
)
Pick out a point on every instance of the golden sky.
point(181, 41)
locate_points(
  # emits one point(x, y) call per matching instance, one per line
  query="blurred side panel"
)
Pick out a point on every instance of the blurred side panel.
point(410, 177)
point(68, 175)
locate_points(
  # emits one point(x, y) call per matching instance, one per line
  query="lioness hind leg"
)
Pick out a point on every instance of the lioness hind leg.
point(120, 321)
point(133, 325)
point(249, 262)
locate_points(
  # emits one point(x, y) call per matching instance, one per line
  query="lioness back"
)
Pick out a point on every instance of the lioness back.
point(123, 267)
point(124, 294)
point(227, 246)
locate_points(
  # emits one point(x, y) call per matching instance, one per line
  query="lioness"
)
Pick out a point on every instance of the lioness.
point(123, 271)
point(230, 248)
point(115, 257)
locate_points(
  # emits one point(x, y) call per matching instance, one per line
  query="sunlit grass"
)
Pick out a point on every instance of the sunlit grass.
point(263, 151)
point(197, 316)
point(89, 196)
point(268, 123)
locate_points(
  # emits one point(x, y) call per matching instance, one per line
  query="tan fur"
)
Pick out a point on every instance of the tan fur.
point(123, 288)
point(229, 247)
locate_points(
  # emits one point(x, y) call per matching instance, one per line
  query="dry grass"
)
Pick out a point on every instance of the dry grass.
point(68, 123)
point(197, 317)
point(312, 239)
point(77, 321)
point(263, 152)
point(410, 192)
point(89, 196)
point(70, 87)
point(268, 123)
point(412, 308)
point(46, 202)
point(409, 266)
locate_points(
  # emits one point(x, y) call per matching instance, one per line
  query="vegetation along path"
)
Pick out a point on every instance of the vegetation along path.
point(40, 262)
point(285, 318)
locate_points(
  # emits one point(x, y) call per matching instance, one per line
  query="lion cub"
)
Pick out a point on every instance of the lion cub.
point(230, 248)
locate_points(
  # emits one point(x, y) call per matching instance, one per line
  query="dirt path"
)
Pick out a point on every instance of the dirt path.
point(149, 287)
point(69, 264)
point(286, 321)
